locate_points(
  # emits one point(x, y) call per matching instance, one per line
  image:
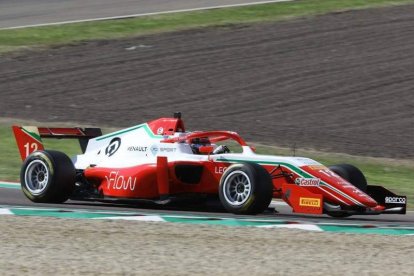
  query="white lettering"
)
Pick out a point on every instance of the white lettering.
point(120, 182)
point(390, 199)
point(111, 179)
point(137, 148)
point(129, 184)
point(354, 189)
point(329, 173)
point(168, 149)
point(309, 182)
point(30, 148)
point(220, 170)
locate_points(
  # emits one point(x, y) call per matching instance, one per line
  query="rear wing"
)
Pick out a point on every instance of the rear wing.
point(29, 138)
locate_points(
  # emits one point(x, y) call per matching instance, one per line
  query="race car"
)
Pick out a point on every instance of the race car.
point(160, 161)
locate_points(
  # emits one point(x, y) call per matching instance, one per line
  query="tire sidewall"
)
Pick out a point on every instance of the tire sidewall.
point(61, 180)
point(261, 189)
point(50, 166)
point(224, 182)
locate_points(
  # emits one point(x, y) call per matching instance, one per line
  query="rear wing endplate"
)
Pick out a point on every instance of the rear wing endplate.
point(29, 138)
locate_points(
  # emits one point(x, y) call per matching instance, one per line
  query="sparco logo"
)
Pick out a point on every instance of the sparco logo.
point(308, 181)
point(390, 199)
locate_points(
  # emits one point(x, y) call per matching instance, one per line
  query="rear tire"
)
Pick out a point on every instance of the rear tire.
point(48, 177)
point(246, 189)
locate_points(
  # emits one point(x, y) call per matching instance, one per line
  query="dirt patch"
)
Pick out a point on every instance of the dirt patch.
point(47, 246)
point(341, 82)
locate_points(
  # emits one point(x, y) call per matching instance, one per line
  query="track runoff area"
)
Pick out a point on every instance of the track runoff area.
point(24, 16)
point(284, 219)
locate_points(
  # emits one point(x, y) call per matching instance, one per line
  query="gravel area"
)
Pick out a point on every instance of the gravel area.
point(48, 246)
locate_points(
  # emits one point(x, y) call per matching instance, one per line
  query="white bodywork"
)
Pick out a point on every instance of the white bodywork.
point(138, 145)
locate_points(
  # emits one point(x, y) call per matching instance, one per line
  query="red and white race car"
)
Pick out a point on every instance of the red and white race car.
point(160, 161)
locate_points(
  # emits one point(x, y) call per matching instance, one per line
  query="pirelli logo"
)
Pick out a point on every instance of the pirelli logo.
point(310, 202)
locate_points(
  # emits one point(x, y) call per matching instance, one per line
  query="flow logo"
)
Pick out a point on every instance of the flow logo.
point(113, 147)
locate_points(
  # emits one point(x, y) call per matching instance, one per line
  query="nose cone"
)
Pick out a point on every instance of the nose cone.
point(337, 189)
point(361, 197)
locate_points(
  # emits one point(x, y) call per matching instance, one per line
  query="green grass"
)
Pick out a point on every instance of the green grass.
point(10, 161)
point(396, 175)
point(70, 33)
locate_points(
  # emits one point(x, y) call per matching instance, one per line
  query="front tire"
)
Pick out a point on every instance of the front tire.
point(354, 176)
point(351, 174)
point(48, 177)
point(246, 189)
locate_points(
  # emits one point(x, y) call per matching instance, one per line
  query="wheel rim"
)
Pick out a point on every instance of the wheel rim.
point(36, 177)
point(237, 188)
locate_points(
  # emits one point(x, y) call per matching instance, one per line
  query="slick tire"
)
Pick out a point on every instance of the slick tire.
point(245, 189)
point(352, 174)
point(48, 177)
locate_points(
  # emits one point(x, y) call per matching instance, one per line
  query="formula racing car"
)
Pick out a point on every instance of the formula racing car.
point(160, 161)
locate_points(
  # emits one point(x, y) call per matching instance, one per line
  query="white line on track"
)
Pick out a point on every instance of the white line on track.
point(145, 14)
point(136, 218)
point(308, 227)
point(10, 183)
point(4, 211)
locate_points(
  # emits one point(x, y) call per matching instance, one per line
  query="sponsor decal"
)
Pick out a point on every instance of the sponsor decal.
point(154, 149)
point(160, 130)
point(318, 167)
point(345, 185)
point(113, 147)
point(30, 147)
point(354, 189)
point(308, 182)
point(307, 161)
point(164, 149)
point(395, 199)
point(329, 173)
point(119, 182)
point(310, 202)
point(137, 148)
point(219, 170)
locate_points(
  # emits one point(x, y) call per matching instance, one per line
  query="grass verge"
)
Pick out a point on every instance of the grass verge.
point(397, 175)
point(62, 34)
point(10, 161)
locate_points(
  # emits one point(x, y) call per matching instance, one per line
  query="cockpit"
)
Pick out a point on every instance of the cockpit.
point(201, 142)
point(203, 146)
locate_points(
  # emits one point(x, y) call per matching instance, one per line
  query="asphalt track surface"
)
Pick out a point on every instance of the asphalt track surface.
point(16, 13)
point(15, 197)
point(339, 83)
